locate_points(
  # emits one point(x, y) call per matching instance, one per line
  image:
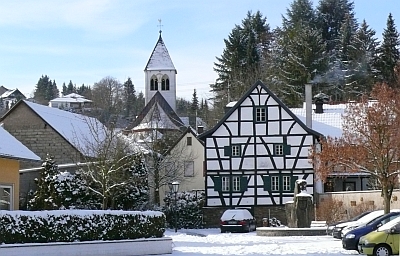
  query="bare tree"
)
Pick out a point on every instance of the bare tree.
point(370, 142)
point(107, 99)
point(109, 158)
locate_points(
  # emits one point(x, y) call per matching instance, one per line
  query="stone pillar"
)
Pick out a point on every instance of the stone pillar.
point(303, 211)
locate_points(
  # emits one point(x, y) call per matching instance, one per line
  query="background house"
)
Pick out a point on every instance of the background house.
point(9, 97)
point(12, 152)
point(66, 136)
point(72, 102)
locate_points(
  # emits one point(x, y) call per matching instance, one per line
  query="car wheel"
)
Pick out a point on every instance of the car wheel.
point(382, 250)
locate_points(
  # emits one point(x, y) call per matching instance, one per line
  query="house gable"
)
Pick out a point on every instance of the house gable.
point(256, 152)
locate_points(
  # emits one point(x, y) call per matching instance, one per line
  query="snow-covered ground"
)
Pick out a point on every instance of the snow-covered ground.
point(204, 242)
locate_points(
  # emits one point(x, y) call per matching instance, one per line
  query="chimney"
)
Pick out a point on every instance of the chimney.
point(308, 91)
point(319, 107)
point(200, 129)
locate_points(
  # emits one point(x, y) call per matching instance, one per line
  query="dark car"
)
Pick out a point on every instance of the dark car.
point(329, 229)
point(350, 240)
point(237, 220)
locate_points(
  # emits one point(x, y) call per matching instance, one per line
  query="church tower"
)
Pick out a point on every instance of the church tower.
point(160, 75)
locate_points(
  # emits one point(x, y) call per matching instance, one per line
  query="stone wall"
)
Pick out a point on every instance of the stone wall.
point(39, 137)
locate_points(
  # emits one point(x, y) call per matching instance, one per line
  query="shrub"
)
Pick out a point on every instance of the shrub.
point(330, 210)
point(189, 209)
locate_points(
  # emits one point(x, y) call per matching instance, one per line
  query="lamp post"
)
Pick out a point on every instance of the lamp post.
point(174, 188)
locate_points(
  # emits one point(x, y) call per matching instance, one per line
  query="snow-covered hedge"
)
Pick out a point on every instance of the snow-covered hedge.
point(78, 225)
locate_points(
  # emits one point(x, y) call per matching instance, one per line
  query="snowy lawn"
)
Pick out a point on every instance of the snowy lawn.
point(204, 242)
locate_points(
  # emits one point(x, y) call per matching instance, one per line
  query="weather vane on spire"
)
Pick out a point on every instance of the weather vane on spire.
point(159, 25)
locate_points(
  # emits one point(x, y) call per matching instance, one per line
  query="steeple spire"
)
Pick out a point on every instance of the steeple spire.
point(159, 25)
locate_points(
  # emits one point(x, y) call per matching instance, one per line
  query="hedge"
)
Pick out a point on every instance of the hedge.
point(78, 225)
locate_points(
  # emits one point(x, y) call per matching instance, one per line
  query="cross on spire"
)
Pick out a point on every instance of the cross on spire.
point(159, 25)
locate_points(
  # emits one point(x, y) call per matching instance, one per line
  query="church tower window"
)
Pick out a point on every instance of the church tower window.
point(153, 85)
point(165, 84)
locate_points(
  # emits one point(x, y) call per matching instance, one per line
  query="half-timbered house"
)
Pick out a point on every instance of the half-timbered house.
point(254, 155)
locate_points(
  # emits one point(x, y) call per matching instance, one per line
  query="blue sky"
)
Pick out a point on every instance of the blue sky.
point(87, 40)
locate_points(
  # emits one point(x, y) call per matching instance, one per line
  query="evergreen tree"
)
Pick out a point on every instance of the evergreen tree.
point(45, 91)
point(139, 104)
point(135, 194)
point(242, 59)
point(182, 107)
point(64, 89)
point(70, 88)
point(45, 195)
point(193, 110)
point(130, 98)
point(330, 15)
point(363, 54)
point(388, 53)
point(299, 53)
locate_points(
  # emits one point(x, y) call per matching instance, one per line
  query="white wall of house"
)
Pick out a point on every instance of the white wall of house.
point(188, 153)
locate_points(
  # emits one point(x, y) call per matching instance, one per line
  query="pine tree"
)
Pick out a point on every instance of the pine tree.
point(64, 89)
point(193, 110)
point(44, 196)
point(129, 98)
point(46, 90)
point(70, 87)
point(299, 54)
point(388, 53)
point(241, 62)
point(330, 15)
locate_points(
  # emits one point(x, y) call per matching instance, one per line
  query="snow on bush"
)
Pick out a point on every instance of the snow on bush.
point(78, 225)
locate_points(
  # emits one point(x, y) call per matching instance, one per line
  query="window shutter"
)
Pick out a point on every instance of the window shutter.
point(217, 183)
point(267, 183)
point(293, 182)
point(227, 151)
point(286, 149)
point(243, 184)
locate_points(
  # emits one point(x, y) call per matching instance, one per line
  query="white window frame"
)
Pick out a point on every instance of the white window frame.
point(236, 183)
point(274, 183)
point(286, 183)
point(261, 114)
point(11, 196)
point(189, 169)
point(225, 183)
point(236, 150)
point(278, 149)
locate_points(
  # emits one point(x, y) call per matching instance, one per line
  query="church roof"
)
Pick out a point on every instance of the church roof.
point(157, 114)
point(160, 59)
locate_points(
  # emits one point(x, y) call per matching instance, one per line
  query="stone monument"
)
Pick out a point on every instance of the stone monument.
point(299, 212)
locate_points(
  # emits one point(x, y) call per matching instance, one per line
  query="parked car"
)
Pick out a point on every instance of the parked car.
point(237, 220)
point(337, 231)
point(350, 240)
point(358, 224)
point(383, 241)
point(329, 229)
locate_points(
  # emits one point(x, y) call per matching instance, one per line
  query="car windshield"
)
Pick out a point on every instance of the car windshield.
point(236, 214)
point(390, 224)
point(371, 216)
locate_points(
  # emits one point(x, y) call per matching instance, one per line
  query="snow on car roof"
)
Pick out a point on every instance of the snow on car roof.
point(237, 214)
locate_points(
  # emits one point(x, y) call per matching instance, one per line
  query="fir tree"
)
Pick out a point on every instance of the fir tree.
point(129, 98)
point(388, 53)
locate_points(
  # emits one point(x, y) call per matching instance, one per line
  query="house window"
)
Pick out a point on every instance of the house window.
point(235, 150)
point(278, 149)
point(282, 149)
point(189, 169)
point(6, 197)
point(261, 114)
point(286, 183)
point(235, 183)
point(275, 183)
point(189, 141)
point(225, 183)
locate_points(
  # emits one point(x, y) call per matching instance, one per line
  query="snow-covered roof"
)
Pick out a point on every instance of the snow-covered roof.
point(332, 114)
point(9, 93)
point(81, 131)
point(10, 147)
point(72, 97)
point(163, 121)
point(160, 59)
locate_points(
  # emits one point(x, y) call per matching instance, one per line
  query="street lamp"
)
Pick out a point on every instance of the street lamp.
point(174, 187)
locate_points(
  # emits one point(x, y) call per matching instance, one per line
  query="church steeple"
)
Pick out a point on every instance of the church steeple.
point(160, 74)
